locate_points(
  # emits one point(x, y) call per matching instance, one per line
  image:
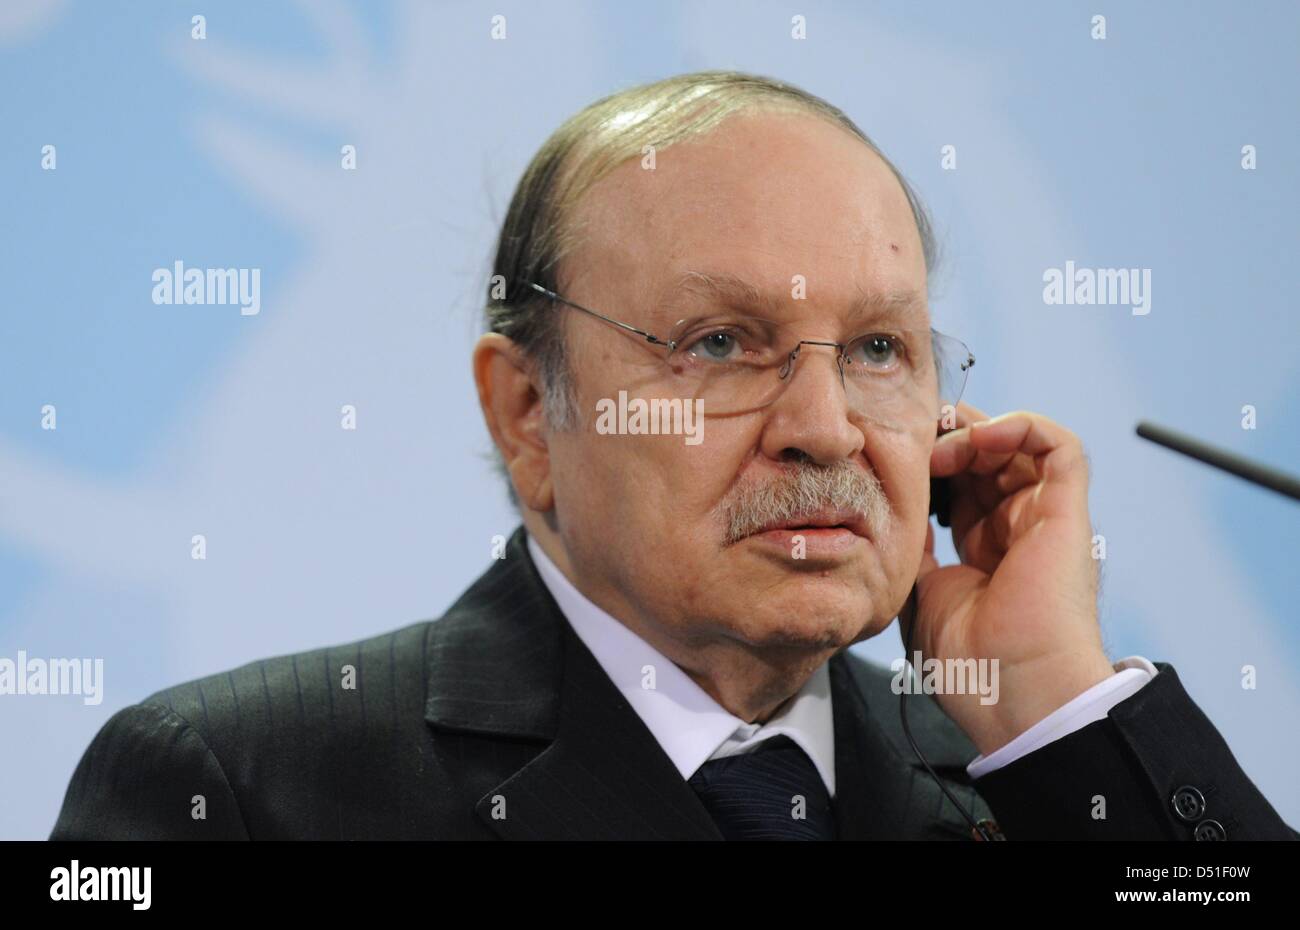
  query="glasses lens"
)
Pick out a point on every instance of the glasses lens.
point(896, 378)
point(953, 362)
point(731, 363)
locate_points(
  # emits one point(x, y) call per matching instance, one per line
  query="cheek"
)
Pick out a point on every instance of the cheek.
point(580, 479)
point(706, 473)
point(902, 463)
point(671, 489)
point(695, 478)
point(649, 490)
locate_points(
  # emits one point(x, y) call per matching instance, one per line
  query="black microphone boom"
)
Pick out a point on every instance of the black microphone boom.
point(1262, 475)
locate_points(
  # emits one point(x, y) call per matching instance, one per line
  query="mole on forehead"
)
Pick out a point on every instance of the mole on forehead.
point(740, 294)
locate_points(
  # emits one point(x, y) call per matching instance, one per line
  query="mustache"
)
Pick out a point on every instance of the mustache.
point(805, 488)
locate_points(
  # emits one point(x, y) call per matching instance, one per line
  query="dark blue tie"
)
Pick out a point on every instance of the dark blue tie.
point(757, 795)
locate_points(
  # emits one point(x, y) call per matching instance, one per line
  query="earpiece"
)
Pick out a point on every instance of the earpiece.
point(941, 491)
point(941, 501)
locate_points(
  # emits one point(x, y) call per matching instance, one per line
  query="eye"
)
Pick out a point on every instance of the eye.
point(877, 352)
point(719, 346)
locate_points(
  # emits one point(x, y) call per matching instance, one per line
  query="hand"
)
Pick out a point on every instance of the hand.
point(1025, 592)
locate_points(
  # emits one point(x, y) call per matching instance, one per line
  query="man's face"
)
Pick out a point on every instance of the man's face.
point(644, 518)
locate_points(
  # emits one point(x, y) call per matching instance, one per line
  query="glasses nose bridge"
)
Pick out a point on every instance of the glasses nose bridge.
point(787, 369)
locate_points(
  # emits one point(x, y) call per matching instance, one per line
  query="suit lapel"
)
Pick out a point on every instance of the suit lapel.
point(505, 662)
point(604, 777)
point(873, 785)
point(882, 791)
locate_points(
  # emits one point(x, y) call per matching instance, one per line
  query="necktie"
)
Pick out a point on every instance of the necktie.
point(756, 795)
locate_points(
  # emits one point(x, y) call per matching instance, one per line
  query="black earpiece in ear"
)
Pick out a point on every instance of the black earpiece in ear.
point(941, 494)
point(941, 501)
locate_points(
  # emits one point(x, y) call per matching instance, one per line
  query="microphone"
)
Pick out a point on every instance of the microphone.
point(1263, 475)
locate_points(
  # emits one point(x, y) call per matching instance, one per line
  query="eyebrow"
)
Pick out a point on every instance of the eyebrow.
point(743, 295)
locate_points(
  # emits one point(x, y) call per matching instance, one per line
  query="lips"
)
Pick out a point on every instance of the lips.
point(821, 520)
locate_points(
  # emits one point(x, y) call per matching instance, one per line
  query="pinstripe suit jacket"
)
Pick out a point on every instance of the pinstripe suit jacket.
point(496, 722)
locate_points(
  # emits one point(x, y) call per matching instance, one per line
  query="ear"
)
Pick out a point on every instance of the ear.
point(512, 409)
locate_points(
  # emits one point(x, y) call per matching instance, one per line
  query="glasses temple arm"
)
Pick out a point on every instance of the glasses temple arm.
point(649, 337)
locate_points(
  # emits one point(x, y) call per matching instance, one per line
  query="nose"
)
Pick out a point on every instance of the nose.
point(810, 417)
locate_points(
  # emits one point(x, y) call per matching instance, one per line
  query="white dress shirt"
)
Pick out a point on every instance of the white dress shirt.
point(692, 728)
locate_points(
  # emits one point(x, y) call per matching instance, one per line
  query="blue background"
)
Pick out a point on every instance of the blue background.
point(177, 420)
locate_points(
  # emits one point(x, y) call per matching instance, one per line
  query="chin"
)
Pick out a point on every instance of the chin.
point(873, 628)
point(804, 623)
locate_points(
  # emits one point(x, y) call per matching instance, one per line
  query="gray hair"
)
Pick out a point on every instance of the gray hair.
point(537, 231)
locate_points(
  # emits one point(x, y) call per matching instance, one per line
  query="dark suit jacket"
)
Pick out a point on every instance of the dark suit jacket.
point(498, 708)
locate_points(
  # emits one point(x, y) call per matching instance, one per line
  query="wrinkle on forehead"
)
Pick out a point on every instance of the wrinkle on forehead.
point(808, 200)
point(694, 289)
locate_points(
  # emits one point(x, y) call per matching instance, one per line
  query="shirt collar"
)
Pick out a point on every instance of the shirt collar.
point(684, 719)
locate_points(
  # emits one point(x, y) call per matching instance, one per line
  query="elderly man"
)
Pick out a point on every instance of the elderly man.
point(714, 386)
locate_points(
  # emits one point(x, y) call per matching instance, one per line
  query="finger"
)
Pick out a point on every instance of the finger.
point(956, 452)
point(964, 511)
point(999, 457)
point(1001, 524)
point(952, 453)
point(1017, 431)
point(1060, 450)
point(968, 414)
point(1020, 472)
point(982, 547)
point(991, 537)
point(973, 496)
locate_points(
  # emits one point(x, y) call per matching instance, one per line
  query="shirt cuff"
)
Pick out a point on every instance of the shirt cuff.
point(1092, 705)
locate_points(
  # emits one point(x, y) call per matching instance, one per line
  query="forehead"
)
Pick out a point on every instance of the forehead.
point(698, 294)
point(767, 199)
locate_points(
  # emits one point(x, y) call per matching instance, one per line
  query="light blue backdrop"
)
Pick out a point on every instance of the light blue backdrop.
point(225, 153)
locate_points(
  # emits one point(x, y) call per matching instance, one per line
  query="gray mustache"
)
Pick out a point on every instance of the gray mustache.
point(803, 489)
